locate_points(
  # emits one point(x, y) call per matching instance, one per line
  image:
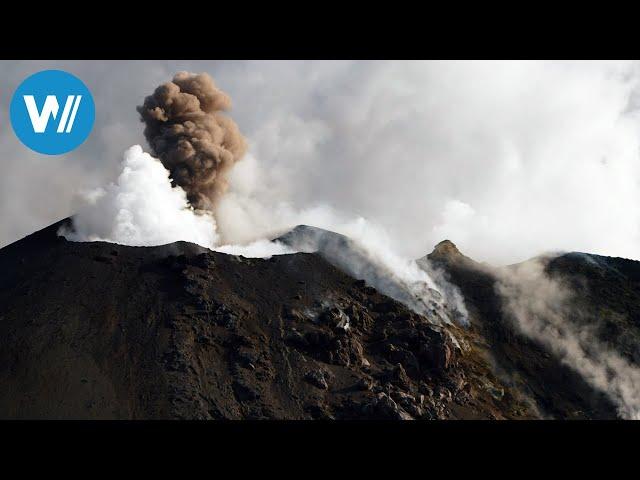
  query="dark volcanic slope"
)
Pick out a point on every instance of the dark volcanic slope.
point(608, 289)
point(97, 330)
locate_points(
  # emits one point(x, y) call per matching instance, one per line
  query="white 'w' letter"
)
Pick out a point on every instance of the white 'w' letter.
point(39, 120)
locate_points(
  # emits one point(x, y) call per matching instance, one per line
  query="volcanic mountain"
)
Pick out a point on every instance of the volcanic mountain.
point(104, 331)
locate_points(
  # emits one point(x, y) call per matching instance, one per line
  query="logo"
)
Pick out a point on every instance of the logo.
point(52, 112)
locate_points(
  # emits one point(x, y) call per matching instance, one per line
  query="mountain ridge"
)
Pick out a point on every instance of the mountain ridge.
point(101, 330)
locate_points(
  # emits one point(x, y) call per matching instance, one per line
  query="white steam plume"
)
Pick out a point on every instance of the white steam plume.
point(450, 292)
point(141, 208)
point(259, 249)
point(545, 310)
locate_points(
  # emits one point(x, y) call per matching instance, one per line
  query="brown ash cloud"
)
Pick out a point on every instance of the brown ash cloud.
point(187, 129)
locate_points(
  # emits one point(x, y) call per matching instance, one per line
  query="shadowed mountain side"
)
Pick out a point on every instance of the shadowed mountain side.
point(610, 287)
point(552, 386)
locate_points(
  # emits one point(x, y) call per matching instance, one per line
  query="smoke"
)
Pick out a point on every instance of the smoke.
point(259, 249)
point(363, 254)
point(549, 312)
point(424, 290)
point(140, 208)
point(451, 293)
point(252, 209)
point(188, 132)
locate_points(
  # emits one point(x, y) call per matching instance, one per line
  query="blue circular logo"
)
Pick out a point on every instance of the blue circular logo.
point(52, 112)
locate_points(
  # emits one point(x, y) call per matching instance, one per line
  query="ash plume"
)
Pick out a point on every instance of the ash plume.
point(188, 131)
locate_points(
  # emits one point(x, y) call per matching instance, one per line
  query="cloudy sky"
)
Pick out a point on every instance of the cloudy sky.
point(506, 159)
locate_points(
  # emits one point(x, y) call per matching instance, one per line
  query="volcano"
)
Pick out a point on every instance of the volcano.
point(104, 331)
